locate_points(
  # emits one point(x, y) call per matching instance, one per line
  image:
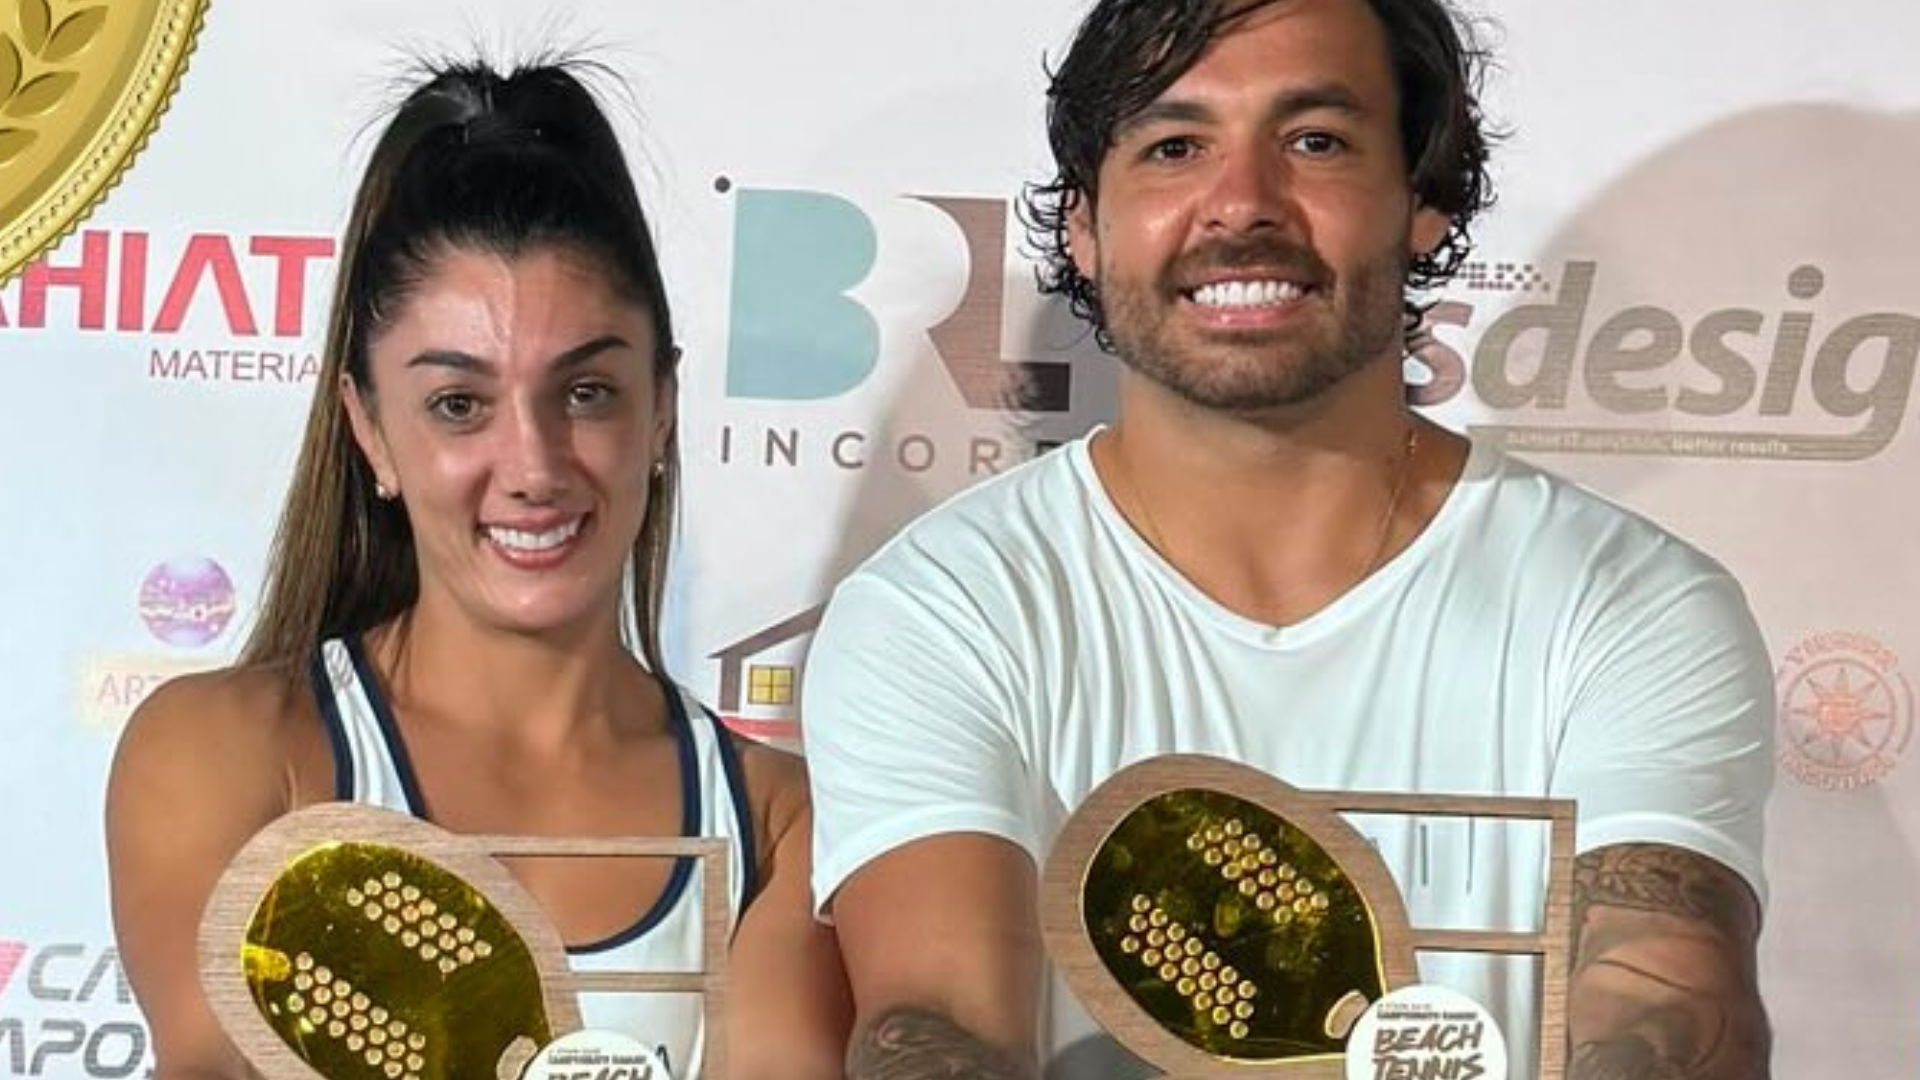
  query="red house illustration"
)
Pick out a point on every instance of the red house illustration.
point(760, 677)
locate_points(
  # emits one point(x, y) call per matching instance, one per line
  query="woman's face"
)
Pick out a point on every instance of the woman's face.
point(517, 411)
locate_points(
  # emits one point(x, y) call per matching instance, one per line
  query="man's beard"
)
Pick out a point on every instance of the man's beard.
point(1260, 370)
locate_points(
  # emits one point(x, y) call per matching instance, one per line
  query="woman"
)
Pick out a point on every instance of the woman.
point(483, 498)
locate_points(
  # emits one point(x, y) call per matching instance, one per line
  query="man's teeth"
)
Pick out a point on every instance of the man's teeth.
point(1247, 294)
point(526, 541)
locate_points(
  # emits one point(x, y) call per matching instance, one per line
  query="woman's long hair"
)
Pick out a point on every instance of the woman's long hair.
point(472, 160)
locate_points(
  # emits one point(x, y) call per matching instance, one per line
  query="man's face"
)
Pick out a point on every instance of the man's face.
point(1254, 223)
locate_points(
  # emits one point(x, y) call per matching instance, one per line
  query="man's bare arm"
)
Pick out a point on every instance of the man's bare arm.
point(1665, 985)
point(920, 1044)
point(942, 944)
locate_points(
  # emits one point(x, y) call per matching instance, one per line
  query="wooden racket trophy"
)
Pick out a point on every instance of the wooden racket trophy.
point(1222, 924)
point(346, 942)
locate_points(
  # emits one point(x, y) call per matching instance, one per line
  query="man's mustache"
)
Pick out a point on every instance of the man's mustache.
point(1293, 262)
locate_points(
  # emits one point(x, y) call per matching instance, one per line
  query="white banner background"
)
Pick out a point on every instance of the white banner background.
point(1704, 159)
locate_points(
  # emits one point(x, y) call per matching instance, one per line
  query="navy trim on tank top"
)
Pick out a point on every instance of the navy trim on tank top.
point(416, 804)
point(749, 852)
point(389, 730)
point(689, 828)
point(336, 728)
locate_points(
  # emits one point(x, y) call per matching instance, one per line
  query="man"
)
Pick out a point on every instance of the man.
point(1268, 558)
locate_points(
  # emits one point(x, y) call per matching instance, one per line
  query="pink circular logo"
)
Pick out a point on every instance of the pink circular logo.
point(187, 602)
point(1846, 711)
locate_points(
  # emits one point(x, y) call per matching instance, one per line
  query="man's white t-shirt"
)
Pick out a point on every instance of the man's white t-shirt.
point(1002, 656)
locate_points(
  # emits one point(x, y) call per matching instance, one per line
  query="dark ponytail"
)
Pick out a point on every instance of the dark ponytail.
point(502, 164)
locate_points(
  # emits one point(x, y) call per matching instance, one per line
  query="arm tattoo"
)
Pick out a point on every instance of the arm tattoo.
point(1659, 879)
point(1664, 966)
point(1622, 1059)
point(915, 1044)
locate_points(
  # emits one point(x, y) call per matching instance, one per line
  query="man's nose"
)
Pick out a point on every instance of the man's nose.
point(1249, 191)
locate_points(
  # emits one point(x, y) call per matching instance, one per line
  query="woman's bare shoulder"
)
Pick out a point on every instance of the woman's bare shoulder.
point(251, 727)
point(252, 703)
point(206, 761)
point(776, 783)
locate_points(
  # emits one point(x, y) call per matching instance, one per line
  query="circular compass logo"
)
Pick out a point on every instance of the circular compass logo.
point(1846, 711)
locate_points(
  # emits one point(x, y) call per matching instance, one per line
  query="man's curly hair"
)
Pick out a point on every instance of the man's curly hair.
point(1128, 52)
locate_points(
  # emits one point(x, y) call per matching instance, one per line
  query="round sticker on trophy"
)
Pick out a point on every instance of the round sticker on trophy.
point(1426, 1031)
point(597, 1055)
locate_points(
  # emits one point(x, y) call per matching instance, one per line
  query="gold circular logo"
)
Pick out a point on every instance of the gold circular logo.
point(82, 87)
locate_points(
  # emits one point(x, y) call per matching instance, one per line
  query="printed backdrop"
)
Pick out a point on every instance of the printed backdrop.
point(1697, 295)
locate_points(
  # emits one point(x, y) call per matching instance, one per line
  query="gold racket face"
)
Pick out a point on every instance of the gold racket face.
point(1235, 931)
point(374, 963)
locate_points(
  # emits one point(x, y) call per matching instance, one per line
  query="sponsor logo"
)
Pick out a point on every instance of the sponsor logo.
point(11, 953)
point(1846, 711)
point(825, 291)
point(759, 692)
point(797, 334)
point(187, 602)
point(212, 307)
point(112, 686)
point(1568, 373)
point(1566, 359)
point(66, 1007)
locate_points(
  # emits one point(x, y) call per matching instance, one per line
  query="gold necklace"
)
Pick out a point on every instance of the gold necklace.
point(1385, 530)
point(1393, 500)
